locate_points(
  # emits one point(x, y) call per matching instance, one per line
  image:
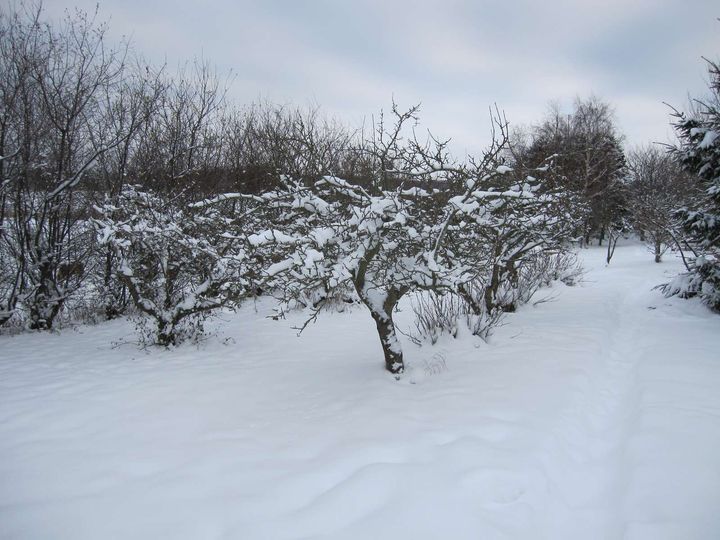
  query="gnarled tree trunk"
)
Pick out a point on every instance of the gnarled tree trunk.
point(390, 345)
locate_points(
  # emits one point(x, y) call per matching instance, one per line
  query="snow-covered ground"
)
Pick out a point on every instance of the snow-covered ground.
point(594, 415)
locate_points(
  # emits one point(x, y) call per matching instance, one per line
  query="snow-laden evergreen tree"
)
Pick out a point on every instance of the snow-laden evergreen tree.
point(699, 152)
point(178, 263)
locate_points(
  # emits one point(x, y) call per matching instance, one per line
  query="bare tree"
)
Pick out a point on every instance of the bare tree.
point(62, 78)
point(658, 186)
point(15, 144)
point(590, 160)
point(180, 149)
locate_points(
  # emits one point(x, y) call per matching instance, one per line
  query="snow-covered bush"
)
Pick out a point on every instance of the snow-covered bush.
point(178, 263)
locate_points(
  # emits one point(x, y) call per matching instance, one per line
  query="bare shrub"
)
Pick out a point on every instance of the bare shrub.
point(437, 314)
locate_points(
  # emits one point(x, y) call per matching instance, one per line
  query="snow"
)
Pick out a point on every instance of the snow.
point(593, 415)
point(708, 139)
point(322, 235)
point(281, 266)
point(312, 256)
point(376, 298)
point(269, 237)
point(459, 202)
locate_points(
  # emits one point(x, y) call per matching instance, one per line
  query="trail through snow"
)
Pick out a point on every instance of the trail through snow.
point(594, 415)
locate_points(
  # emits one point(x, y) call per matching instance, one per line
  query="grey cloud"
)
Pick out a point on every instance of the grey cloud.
point(457, 57)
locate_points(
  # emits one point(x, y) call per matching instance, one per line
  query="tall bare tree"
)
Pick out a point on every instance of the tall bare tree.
point(61, 77)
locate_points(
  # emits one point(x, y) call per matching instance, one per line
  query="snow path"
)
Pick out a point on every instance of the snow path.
point(595, 415)
point(622, 460)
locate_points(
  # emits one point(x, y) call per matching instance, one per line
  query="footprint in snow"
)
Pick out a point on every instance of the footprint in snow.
point(496, 486)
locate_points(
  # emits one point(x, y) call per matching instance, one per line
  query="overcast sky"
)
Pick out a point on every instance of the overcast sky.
point(456, 57)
